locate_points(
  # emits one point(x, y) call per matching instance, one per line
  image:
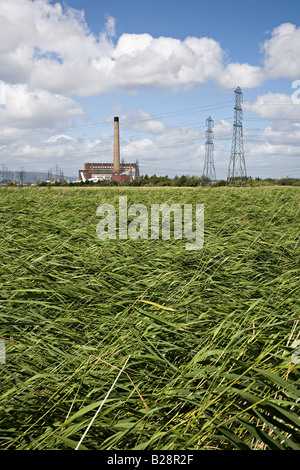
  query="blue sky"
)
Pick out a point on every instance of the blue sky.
point(67, 68)
point(239, 25)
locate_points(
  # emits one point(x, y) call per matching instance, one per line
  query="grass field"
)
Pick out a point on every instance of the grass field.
point(208, 335)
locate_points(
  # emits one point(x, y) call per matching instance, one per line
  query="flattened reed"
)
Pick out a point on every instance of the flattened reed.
point(210, 333)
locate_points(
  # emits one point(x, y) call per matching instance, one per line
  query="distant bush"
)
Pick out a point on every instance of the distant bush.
point(180, 181)
point(289, 182)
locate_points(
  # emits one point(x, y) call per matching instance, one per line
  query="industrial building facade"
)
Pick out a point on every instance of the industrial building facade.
point(116, 171)
point(105, 172)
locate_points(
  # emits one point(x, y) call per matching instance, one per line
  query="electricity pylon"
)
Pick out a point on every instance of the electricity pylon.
point(237, 165)
point(209, 166)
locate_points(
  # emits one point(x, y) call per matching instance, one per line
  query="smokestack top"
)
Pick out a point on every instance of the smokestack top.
point(116, 165)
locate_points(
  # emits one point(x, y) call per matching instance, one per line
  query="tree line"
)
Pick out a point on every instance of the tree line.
point(181, 181)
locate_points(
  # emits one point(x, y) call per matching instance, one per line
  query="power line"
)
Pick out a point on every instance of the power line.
point(175, 132)
point(127, 119)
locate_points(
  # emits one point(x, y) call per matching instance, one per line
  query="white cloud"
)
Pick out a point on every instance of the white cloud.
point(160, 148)
point(110, 28)
point(23, 109)
point(51, 47)
point(274, 105)
point(67, 152)
point(282, 52)
point(243, 75)
point(142, 122)
point(276, 148)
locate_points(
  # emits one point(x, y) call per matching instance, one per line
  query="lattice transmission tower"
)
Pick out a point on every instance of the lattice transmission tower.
point(209, 166)
point(237, 165)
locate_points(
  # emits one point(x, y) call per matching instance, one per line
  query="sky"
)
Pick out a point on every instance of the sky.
point(163, 67)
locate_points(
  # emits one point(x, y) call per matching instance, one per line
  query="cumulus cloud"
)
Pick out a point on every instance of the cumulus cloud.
point(245, 75)
point(274, 105)
point(46, 45)
point(277, 146)
point(162, 148)
point(282, 52)
point(24, 108)
point(273, 154)
point(51, 47)
point(60, 149)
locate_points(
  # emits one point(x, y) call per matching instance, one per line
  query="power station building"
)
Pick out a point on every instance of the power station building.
point(116, 171)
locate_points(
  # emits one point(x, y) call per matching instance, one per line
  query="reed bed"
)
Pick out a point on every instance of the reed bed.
point(207, 336)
